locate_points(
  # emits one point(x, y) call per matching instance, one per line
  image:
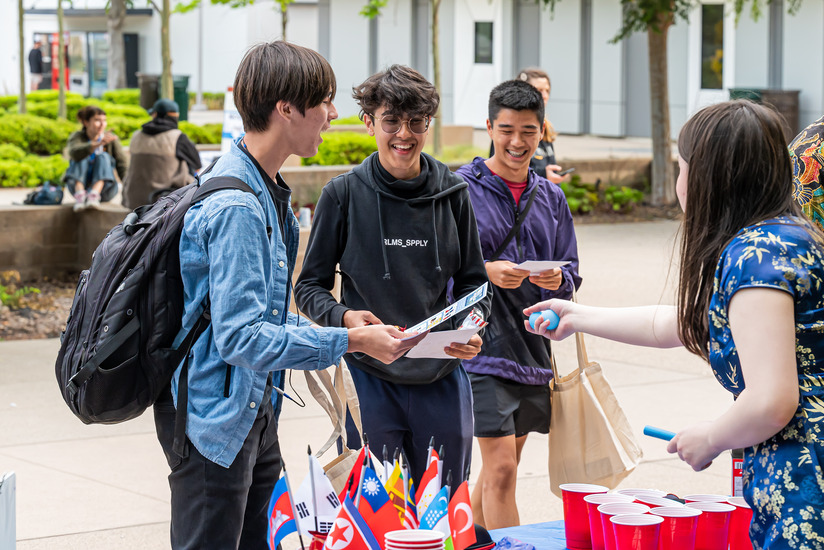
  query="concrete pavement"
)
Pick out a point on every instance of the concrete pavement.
point(104, 487)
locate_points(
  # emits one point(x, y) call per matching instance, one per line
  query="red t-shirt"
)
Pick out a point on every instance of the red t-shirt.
point(516, 188)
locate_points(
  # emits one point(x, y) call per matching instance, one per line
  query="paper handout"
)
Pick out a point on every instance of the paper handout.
point(433, 344)
point(468, 300)
point(539, 266)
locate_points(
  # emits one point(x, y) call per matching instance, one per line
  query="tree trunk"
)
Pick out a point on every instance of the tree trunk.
point(436, 67)
point(166, 83)
point(663, 188)
point(21, 98)
point(117, 55)
point(61, 64)
point(284, 19)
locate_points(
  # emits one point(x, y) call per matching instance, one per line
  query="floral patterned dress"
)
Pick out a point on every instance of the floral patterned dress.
point(807, 156)
point(783, 480)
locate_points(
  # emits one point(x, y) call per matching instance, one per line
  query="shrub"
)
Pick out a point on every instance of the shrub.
point(212, 100)
point(206, 134)
point(11, 294)
point(32, 170)
point(11, 152)
point(36, 135)
point(124, 96)
point(622, 198)
point(124, 127)
point(15, 174)
point(8, 101)
point(349, 120)
point(342, 148)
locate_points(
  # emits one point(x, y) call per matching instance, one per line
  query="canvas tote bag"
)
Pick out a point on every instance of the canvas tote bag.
point(590, 439)
point(340, 396)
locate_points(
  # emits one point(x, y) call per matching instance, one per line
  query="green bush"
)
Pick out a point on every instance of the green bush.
point(48, 109)
point(349, 120)
point(8, 102)
point(622, 198)
point(124, 96)
point(206, 134)
point(342, 148)
point(32, 170)
point(124, 127)
point(212, 100)
point(15, 174)
point(581, 198)
point(11, 152)
point(36, 135)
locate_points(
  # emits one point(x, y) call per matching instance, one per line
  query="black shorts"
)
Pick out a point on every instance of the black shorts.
point(503, 407)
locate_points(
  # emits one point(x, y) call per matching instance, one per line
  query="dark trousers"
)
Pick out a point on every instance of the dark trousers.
point(215, 507)
point(408, 415)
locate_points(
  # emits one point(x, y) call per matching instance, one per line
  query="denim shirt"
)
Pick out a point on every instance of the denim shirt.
point(225, 254)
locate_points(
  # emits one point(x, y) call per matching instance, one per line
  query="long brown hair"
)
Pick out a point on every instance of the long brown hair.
point(739, 174)
point(534, 73)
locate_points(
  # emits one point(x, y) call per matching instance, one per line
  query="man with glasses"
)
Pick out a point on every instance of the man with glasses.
point(400, 226)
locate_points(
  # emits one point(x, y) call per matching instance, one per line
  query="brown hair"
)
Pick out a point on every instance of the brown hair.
point(534, 73)
point(88, 112)
point(739, 174)
point(280, 71)
point(401, 89)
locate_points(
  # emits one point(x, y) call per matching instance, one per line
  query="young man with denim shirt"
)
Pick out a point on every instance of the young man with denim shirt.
point(238, 251)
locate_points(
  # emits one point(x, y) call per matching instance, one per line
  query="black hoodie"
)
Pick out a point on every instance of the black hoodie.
point(398, 243)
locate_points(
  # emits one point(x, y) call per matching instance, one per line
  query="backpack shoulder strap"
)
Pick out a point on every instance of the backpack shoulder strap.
point(220, 183)
point(519, 219)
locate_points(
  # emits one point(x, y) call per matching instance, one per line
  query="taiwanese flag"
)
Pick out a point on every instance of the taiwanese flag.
point(281, 516)
point(461, 520)
point(350, 532)
point(429, 484)
point(375, 506)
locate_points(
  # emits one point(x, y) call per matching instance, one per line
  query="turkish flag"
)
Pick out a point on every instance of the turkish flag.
point(461, 520)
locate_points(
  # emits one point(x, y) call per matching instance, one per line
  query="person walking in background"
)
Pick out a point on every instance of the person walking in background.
point(807, 156)
point(163, 158)
point(751, 303)
point(36, 64)
point(401, 227)
point(521, 216)
point(237, 253)
point(93, 155)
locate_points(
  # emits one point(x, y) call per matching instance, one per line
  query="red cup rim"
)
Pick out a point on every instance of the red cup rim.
point(738, 502)
point(658, 501)
point(711, 506)
point(583, 488)
point(407, 536)
point(618, 508)
point(414, 546)
point(676, 512)
point(595, 497)
point(636, 519)
point(633, 491)
point(706, 497)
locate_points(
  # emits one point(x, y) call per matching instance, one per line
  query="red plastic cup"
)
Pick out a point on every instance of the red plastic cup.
point(653, 501)
point(706, 498)
point(596, 530)
point(576, 519)
point(679, 527)
point(636, 531)
point(713, 525)
point(740, 524)
point(606, 511)
point(633, 492)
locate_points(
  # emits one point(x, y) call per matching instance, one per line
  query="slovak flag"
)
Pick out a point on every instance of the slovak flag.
point(375, 506)
point(350, 532)
point(281, 516)
point(429, 484)
point(461, 519)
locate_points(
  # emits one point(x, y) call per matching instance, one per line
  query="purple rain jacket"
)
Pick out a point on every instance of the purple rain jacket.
point(509, 351)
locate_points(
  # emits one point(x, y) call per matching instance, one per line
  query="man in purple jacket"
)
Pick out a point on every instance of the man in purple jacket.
point(521, 216)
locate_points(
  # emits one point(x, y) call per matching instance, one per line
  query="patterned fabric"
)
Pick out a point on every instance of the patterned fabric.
point(783, 480)
point(807, 155)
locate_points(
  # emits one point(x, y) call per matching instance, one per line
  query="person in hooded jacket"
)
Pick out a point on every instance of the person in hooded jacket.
point(510, 376)
point(163, 157)
point(400, 226)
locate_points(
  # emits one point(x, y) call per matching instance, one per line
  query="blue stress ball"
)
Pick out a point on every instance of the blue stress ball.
point(549, 315)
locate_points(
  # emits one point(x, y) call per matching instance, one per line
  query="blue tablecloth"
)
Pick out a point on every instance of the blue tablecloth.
point(543, 536)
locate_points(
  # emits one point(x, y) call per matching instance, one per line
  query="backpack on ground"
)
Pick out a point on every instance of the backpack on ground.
point(46, 194)
point(116, 353)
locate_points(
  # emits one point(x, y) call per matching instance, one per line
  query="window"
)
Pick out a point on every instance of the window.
point(712, 46)
point(483, 42)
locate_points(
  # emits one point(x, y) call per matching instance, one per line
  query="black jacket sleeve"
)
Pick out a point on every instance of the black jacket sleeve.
point(313, 291)
point(187, 152)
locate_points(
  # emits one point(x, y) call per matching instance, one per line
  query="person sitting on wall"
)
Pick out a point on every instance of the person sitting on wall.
point(163, 157)
point(94, 154)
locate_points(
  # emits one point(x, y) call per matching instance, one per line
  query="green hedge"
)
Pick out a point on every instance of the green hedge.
point(11, 152)
point(343, 148)
point(206, 134)
point(123, 96)
point(36, 135)
point(353, 120)
point(32, 171)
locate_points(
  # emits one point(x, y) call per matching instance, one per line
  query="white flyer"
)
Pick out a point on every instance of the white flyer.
point(536, 267)
point(468, 300)
point(432, 345)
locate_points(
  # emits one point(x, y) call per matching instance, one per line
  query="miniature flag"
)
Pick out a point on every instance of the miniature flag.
point(410, 518)
point(281, 516)
point(349, 531)
point(429, 484)
point(325, 499)
point(394, 488)
point(461, 519)
point(436, 516)
point(354, 476)
point(375, 507)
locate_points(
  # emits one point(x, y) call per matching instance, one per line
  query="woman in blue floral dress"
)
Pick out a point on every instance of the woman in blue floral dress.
point(751, 302)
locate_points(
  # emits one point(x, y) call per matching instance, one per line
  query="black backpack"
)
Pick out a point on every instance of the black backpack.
point(116, 354)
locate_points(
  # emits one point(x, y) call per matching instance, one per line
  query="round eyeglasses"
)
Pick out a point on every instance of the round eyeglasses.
point(392, 124)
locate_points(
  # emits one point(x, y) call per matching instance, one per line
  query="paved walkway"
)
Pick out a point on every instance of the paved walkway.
point(104, 487)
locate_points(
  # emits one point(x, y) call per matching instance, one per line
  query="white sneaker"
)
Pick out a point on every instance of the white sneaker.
point(93, 201)
point(79, 201)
